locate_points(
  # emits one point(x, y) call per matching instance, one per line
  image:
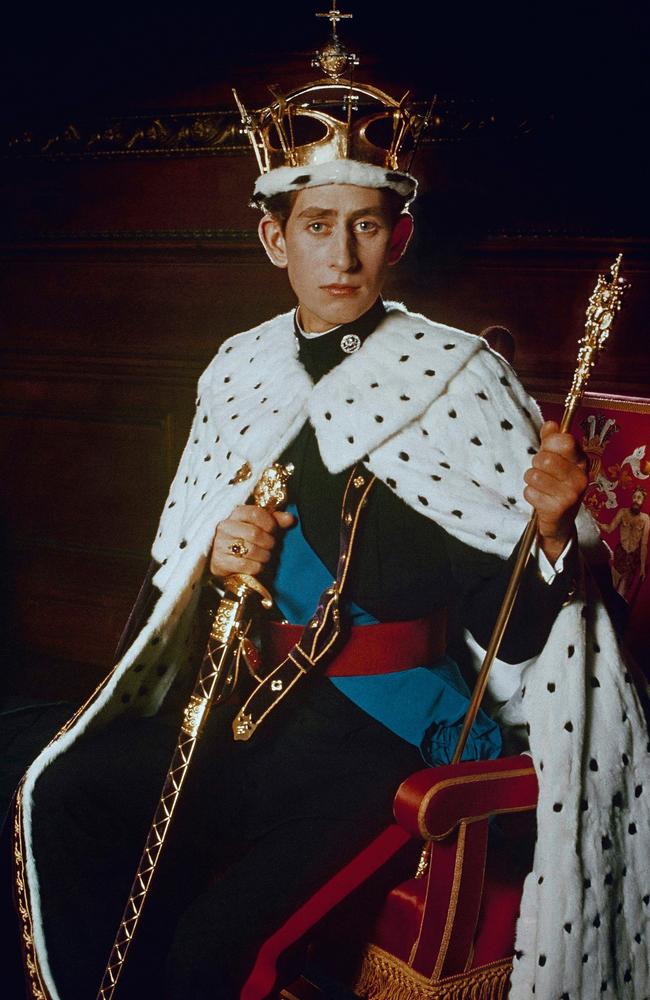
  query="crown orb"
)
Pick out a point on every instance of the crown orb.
point(333, 60)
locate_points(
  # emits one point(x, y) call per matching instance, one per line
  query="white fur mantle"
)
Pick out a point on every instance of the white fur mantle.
point(445, 423)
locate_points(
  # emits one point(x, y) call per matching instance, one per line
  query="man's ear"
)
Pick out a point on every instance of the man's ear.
point(271, 236)
point(399, 238)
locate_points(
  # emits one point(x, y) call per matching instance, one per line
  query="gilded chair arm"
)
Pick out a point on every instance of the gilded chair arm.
point(431, 803)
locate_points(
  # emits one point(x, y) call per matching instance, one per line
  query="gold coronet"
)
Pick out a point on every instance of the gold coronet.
point(272, 130)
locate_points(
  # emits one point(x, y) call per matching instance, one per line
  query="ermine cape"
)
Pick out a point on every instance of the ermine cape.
point(444, 422)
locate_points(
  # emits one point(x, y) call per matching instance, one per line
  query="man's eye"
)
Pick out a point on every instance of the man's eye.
point(366, 226)
point(316, 227)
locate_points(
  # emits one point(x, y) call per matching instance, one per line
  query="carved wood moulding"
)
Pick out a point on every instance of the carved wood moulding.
point(212, 133)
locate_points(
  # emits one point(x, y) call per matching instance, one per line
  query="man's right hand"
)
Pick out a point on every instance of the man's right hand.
point(257, 529)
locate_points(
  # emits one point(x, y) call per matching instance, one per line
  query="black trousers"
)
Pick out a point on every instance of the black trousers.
point(261, 825)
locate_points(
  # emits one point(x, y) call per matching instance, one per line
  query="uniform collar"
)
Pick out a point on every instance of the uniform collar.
point(318, 355)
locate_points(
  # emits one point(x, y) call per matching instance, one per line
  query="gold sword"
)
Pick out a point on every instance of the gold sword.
point(214, 681)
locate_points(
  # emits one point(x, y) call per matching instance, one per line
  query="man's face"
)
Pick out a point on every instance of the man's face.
point(637, 501)
point(337, 246)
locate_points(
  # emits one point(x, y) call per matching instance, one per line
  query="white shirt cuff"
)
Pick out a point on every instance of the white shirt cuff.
point(547, 570)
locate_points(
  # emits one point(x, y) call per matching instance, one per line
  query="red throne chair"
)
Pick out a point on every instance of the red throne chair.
point(449, 934)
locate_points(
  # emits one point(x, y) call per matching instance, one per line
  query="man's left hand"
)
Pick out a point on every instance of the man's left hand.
point(556, 484)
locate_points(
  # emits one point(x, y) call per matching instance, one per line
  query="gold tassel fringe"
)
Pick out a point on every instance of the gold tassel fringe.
point(385, 977)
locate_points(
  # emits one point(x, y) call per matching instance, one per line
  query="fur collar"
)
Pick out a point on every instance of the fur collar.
point(258, 386)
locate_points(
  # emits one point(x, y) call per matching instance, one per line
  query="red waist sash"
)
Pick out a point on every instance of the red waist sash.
point(382, 648)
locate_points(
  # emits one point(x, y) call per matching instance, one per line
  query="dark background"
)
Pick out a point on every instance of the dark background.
point(584, 64)
point(123, 267)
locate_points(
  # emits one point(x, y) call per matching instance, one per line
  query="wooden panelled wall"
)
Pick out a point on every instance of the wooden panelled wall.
point(120, 277)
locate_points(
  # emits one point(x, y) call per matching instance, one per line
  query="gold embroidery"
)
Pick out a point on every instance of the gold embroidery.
point(35, 984)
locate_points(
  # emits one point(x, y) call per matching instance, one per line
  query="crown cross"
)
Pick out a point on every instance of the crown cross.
point(334, 16)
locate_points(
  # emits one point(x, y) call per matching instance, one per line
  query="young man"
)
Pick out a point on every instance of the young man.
point(337, 245)
point(346, 388)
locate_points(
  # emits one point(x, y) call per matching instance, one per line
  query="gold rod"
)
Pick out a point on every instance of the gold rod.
point(604, 303)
